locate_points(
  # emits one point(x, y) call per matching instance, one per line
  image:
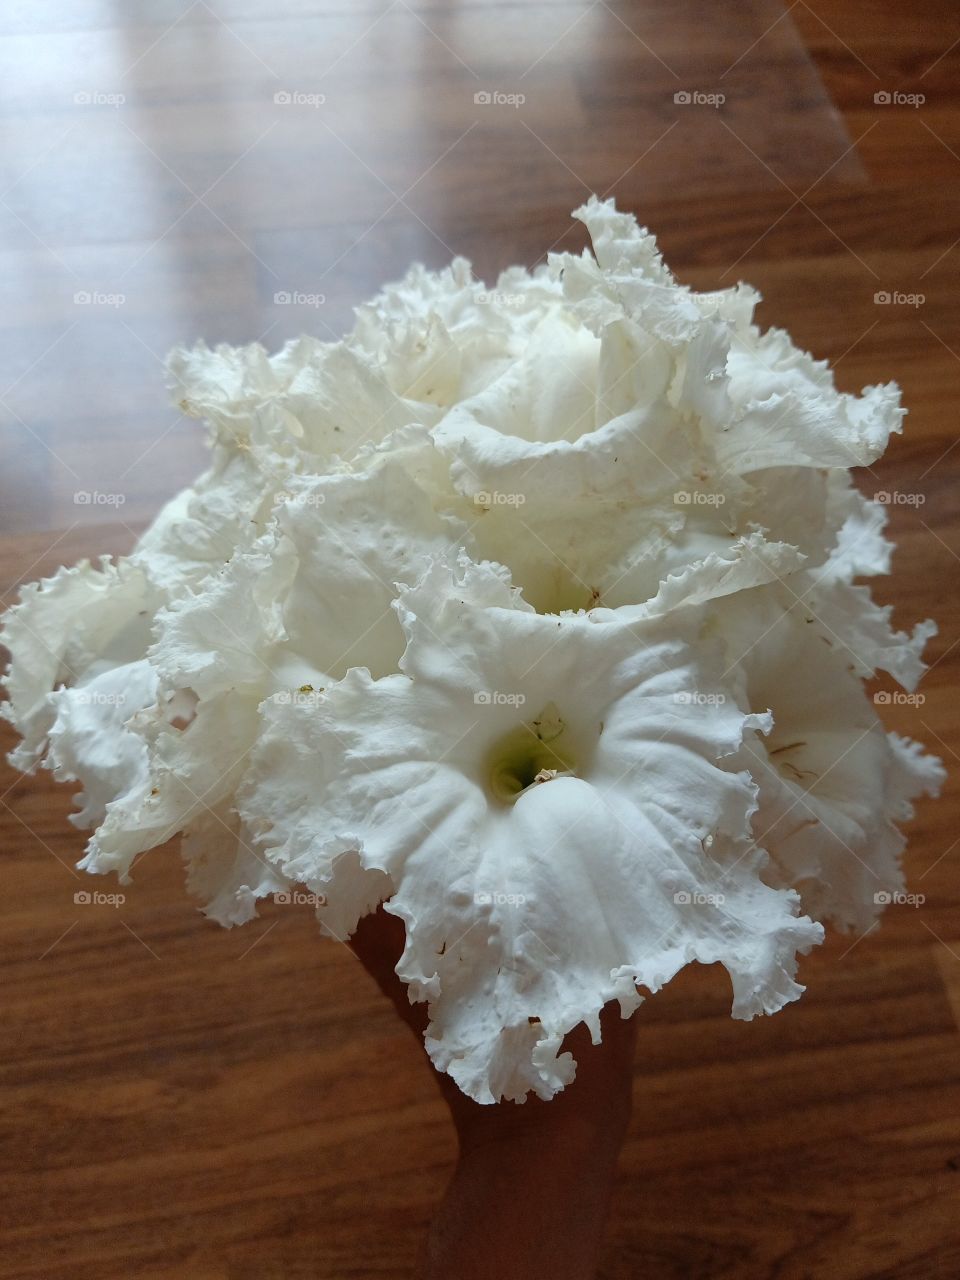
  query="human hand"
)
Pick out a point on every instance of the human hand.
point(530, 1191)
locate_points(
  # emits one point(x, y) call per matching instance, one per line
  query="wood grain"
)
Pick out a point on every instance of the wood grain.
point(184, 1102)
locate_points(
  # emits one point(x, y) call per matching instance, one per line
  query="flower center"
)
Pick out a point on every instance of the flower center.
point(531, 754)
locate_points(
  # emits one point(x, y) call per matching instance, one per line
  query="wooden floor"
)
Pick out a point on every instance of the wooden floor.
point(183, 1102)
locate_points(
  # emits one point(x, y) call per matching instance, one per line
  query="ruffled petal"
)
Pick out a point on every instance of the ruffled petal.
point(224, 870)
point(59, 629)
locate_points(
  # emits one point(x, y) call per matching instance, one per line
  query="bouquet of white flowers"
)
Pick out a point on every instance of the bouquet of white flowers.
point(528, 612)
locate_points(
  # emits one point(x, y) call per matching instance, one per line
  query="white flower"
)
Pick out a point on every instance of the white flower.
point(63, 627)
point(528, 611)
point(548, 800)
point(832, 783)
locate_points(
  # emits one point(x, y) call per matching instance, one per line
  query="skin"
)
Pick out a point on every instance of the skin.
point(532, 1184)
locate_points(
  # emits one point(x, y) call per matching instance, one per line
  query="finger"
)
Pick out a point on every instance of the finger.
point(378, 943)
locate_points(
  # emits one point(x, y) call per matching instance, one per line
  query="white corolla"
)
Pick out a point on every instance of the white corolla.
point(528, 612)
